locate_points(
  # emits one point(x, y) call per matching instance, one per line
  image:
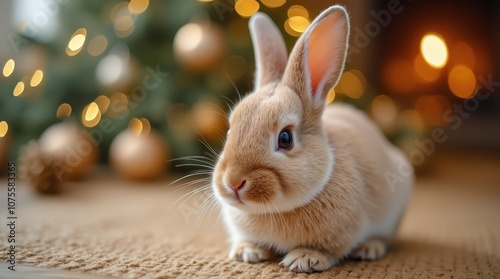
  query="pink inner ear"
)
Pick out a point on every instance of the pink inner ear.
point(323, 53)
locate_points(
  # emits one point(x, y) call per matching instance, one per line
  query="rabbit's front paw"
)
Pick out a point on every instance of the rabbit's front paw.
point(372, 249)
point(307, 260)
point(249, 253)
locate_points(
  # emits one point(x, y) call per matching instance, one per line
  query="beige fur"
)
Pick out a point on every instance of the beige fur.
point(326, 198)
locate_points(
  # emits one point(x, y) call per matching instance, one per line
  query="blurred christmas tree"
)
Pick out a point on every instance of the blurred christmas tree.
point(113, 61)
point(169, 65)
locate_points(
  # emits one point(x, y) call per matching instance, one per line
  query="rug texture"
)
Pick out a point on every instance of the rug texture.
point(109, 227)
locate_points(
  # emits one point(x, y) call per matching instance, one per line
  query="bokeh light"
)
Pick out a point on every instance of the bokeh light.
point(91, 115)
point(298, 23)
point(352, 83)
point(103, 103)
point(189, 37)
point(384, 111)
point(4, 128)
point(411, 118)
point(432, 108)
point(331, 96)
point(97, 45)
point(36, 78)
point(76, 42)
point(135, 125)
point(246, 8)
point(462, 81)
point(63, 111)
point(424, 71)
point(297, 10)
point(9, 67)
point(273, 3)
point(138, 6)
point(19, 89)
point(434, 50)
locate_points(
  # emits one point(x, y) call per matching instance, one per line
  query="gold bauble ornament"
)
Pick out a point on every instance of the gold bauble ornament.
point(72, 147)
point(42, 170)
point(138, 154)
point(199, 46)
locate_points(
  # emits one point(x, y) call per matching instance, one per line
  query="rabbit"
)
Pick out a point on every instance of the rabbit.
point(311, 183)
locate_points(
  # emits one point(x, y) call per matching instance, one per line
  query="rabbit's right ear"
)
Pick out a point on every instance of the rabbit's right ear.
point(269, 48)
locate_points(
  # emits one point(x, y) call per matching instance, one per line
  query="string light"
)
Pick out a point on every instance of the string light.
point(434, 50)
point(331, 96)
point(135, 125)
point(19, 89)
point(384, 111)
point(297, 10)
point(273, 3)
point(246, 8)
point(9, 67)
point(298, 23)
point(124, 26)
point(462, 82)
point(352, 83)
point(91, 115)
point(103, 103)
point(138, 6)
point(76, 42)
point(36, 78)
point(4, 128)
point(63, 111)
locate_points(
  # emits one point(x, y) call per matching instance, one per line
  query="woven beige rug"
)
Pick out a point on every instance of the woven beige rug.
point(108, 227)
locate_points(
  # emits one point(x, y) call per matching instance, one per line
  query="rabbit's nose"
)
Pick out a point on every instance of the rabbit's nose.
point(235, 184)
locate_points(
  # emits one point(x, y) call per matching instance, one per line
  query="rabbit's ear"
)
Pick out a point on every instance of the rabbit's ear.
point(269, 49)
point(318, 57)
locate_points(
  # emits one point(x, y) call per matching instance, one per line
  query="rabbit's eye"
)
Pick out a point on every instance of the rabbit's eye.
point(285, 139)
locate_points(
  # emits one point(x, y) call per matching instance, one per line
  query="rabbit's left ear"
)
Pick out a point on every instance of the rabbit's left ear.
point(318, 57)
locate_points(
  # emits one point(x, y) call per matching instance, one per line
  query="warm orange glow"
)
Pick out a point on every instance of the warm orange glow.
point(297, 10)
point(9, 67)
point(103, 103)
point(273, 3)
point(135, 125)
point(246, 8)
point(91, 115)
point(424, 71)
point(76, 42)
point(352, 83)
point(36, 78)
point(124, 26)
point(412, 119)
point(330, 97)
point(462, 81)
point(146, 126)
point(63, 111)
point(299, 23)
point(4, 128)
point(398, 76)
point(19, 89)
point(432, 108)
point(462, 53)
point(434, 50)
point(384, 111)
point(138, 6)
point(289, 29)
